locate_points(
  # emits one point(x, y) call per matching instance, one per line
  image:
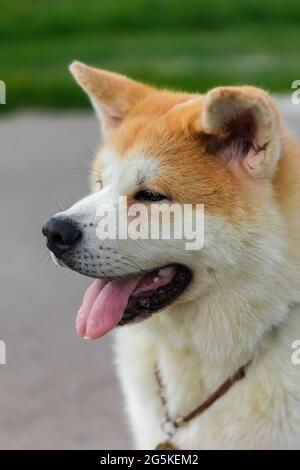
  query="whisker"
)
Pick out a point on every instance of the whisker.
point(211, 271)
point(133, 263)
point(85, 172)
point(47, 257)
point(44, 252)
point(57, 203)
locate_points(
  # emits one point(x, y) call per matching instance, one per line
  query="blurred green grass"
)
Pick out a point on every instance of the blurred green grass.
point(186, 44)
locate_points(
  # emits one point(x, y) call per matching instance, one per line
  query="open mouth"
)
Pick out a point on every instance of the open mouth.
point(108, 303)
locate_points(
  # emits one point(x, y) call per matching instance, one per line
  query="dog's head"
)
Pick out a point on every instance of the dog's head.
point(219, 150)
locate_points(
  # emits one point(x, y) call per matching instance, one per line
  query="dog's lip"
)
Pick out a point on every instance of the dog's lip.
point(108, 303)
point(138, 291)
point(147, 303)
point(153, 280)
point(69, 263)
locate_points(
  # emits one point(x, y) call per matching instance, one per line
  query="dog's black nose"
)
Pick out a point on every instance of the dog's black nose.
point(61, 234)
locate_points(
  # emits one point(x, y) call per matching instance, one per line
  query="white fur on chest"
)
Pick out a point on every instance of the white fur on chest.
point(261, 411)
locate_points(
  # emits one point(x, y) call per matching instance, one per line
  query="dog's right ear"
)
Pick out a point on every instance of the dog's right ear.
point(243, 128)
point(111, 94)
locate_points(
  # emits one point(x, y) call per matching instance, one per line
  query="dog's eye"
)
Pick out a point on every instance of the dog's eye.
point(99, 182)
point(148, 195)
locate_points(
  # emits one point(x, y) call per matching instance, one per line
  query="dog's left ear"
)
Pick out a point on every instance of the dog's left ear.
point(242, 128)
point(111, 94)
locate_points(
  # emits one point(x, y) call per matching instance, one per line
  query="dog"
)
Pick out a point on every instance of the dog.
point(207, 332)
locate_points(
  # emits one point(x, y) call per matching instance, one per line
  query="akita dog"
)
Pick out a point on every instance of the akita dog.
point(205, 343)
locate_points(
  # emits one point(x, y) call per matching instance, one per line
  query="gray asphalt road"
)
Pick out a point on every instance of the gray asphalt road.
point(57, 391)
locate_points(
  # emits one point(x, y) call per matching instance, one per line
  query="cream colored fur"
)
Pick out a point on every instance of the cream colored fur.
point(260, 412)
point(242, 303)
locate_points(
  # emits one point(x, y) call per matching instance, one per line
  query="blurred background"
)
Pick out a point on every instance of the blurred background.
point(182, 44)
point(56, 390)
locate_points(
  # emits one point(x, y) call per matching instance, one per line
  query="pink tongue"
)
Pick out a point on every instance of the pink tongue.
point(103, 306)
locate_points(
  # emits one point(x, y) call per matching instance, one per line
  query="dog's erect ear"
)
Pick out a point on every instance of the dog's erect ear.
point(111, 94)
point(242, 127)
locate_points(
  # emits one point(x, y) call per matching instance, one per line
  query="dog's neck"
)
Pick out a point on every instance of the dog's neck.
point(207, 340)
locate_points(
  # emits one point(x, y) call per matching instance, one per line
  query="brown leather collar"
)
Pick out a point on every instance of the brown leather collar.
point(170, 425)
